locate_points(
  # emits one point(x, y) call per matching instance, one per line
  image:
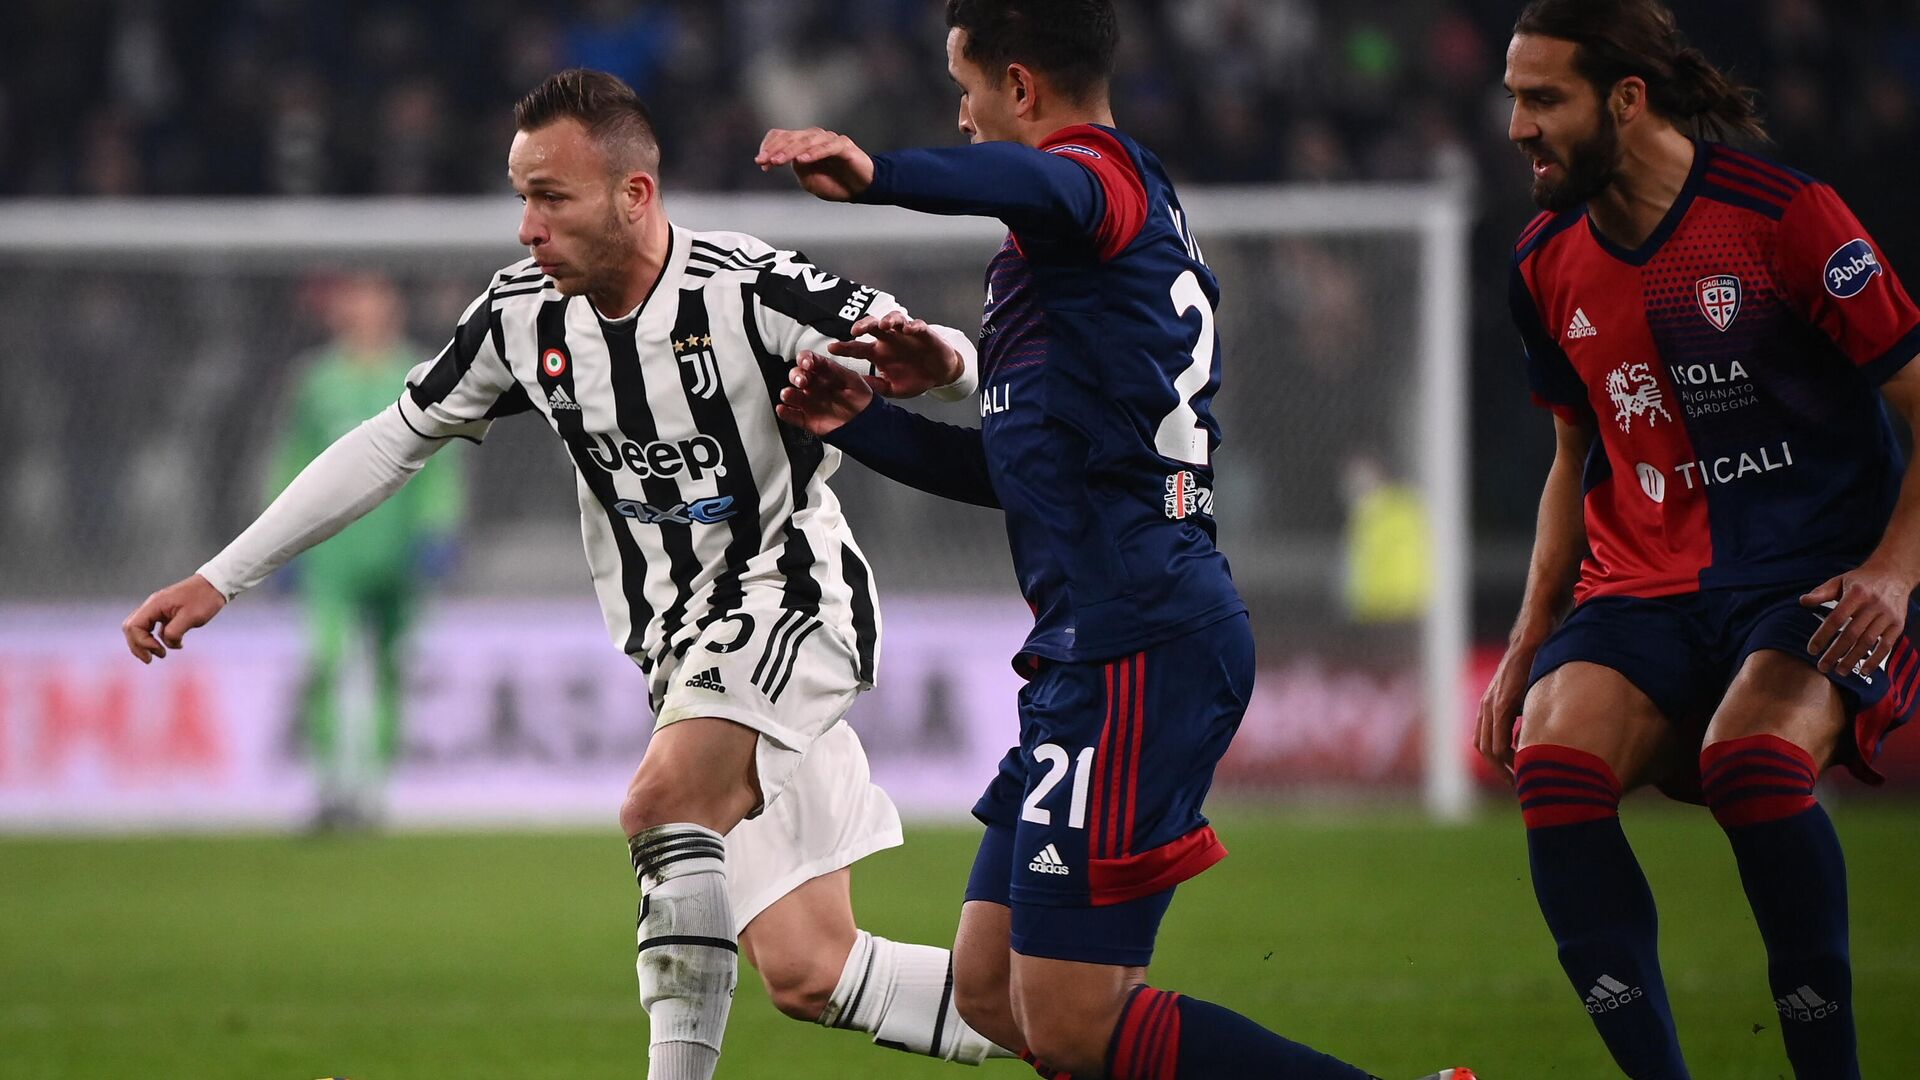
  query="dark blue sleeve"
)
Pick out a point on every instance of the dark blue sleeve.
point(941, 459)
point(1031, 190)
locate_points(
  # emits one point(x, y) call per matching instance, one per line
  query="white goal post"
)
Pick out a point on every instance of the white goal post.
point(1421, 231)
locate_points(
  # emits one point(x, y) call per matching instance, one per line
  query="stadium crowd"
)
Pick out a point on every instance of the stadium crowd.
point(291, 97)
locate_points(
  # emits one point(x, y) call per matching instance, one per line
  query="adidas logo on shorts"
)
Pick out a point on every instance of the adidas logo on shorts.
point(708, 680)
point(1048, 862)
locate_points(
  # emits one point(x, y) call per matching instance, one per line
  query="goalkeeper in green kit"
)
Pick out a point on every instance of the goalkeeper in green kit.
point(362, 588)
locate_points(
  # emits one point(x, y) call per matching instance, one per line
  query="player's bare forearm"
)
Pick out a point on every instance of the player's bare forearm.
point(1559, 538)
point(1899, 548)
point(1866, 607)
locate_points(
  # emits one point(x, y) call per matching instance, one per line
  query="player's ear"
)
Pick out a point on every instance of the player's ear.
point(637, 194)
point(1628, 100)
point(1025, 90)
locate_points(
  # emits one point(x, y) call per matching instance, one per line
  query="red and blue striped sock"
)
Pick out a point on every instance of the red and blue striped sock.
point(1167, 1036)
point(1760, 789)
point(1597, 904)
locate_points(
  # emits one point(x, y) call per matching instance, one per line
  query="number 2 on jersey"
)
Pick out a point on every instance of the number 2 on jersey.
point(1180, 435)
point(1059, 763)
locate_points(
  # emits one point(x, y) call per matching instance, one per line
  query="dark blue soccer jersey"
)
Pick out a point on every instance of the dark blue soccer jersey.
point(1098, 366)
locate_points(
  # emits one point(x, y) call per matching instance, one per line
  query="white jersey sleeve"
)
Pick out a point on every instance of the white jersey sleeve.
point(802, 308)
point(354, 475)
point(459, 393)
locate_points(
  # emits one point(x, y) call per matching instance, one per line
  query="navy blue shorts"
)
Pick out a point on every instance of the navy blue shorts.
point(1684, 651)
point(1099, 805)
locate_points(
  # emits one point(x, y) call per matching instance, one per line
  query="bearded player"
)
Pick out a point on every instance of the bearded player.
point(1715, 334)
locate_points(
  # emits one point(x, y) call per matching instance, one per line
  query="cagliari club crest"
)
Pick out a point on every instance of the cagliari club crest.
point(1719, 298)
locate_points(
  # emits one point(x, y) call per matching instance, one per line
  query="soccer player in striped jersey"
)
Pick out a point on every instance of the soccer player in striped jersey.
point(1100, 364)
point(1714, 333)
point(722, 564)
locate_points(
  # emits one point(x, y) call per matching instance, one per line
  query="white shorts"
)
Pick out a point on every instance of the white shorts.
point(791, 678)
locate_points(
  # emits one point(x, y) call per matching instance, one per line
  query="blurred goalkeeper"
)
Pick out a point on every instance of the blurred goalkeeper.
point(363, 588)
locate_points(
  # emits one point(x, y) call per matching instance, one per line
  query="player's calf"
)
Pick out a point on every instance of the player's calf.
point(1761, 790)
point(687, 960)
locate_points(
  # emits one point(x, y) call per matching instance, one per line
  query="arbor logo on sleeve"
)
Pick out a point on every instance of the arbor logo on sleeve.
point(1719, 298)
point(1851, 268)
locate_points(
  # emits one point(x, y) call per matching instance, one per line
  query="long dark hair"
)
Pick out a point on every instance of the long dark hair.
point(1619, 38)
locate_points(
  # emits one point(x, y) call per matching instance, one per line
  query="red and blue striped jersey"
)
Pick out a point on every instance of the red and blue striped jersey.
point(1731, 367)
point(1098, 367)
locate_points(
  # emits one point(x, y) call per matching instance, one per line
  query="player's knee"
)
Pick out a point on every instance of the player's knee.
point(657, 798)
point(1066, 1035)
point(799, 989)
point(981, 999)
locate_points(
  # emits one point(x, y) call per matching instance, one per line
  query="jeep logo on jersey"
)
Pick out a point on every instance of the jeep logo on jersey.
point(1719, 298)
point(1652, 481)
point(697, 456)
point(700, 511)
point(1851, 268)
point(554, 363)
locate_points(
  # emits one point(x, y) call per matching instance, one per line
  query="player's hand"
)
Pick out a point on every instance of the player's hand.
point(822, 395)
point(1867, 611)
point(1500, 706)
point(175, 609)
point(828, 165)
point(908, 358)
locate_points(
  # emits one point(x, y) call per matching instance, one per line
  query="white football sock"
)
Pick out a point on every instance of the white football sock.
point(903, 995)
point(688, 961)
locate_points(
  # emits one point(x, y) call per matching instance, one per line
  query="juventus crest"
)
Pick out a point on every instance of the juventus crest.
point(696, 351)
point(1719, 298)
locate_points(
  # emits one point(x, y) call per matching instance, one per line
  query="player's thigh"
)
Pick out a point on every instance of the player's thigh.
point(800, 942)
point(1588, 707)
point(699, 770)
point(1777, 694)
point(830, 815)
point(783, 674)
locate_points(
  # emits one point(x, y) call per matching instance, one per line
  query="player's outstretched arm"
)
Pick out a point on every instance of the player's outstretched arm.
point(1559, 539)
point(357, 473)
point(1869, 603)
point(173, 611)
point(828, 165)
point(826, 399)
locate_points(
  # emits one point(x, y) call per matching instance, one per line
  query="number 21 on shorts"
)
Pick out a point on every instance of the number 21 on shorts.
point(1059, 763)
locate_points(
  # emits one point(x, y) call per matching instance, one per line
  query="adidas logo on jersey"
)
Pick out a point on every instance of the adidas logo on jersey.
point(1048, 862)
point(1609, 994)
point(559, 400)
point(1804, 1004)
point(1581, 327)
point(708, 680)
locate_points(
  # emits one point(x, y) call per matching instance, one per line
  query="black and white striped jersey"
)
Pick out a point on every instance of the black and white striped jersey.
point(694, 499)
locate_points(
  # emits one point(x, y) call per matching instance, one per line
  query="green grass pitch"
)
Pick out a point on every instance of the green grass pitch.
point(1375, 937)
